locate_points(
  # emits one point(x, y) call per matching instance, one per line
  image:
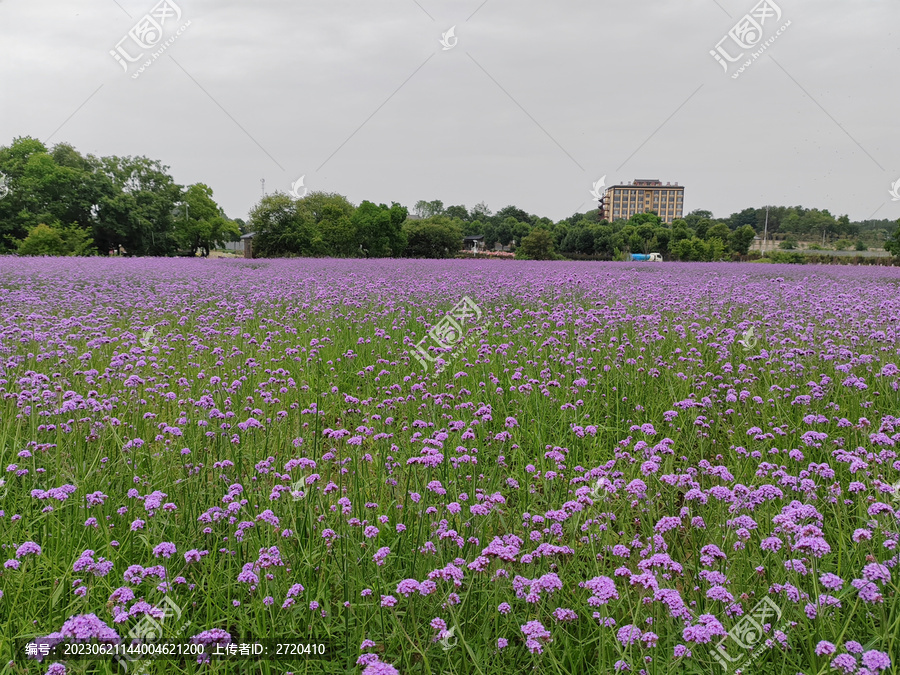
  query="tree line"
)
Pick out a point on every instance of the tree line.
point(56, 201)
point(328, 224)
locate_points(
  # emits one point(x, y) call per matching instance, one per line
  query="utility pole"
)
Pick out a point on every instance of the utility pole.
point(263, 183)
point(766, 231)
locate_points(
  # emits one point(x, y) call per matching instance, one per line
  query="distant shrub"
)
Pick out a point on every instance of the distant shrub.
point(788, 244)
point(782, 257)
point(57, 241)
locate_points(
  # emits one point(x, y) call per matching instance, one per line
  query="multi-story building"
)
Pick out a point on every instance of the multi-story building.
point(620, 202)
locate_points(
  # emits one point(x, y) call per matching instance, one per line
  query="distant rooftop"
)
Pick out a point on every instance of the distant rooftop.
point(646, 182)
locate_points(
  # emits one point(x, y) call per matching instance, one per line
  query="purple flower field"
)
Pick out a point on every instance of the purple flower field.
point(626, 467)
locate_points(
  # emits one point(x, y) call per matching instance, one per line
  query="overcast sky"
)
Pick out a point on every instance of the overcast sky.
point(532, 102)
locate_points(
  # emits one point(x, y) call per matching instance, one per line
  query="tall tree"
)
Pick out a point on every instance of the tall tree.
point(739, 241)
point(459, 212)
point(436, 237)
point(139, 215)
point(536, 246)
point(514, 212)
point(330, 212)
point(338, 235)
point(380, 229)
point(200, 223)
point(56, 188)
point(481, 212)
point(892, 245)
point(425, 209)
point(281, 228)
point(748, 216)
point(719, 231)
point(57, 241)
point(694, 217)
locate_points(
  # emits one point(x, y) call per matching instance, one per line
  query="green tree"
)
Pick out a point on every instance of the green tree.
point(786, 257)
point(749, 216)
point(817, 223)
point(78, 241)
point(696, 250)
point(514, 212)
point(48, 187)
point(718, 230)
point(472, 227)
point(662, 236)
point(788, 244)
point(509, 229)
point(380, 229)
point(336, 231)
point(71, 240)
point(481, 212)
point(43, 240)
point(715, 249)
point(139, 214)
point(459, 212)
point(425, 209)
point(436, 237)
point(647, 218)
point(490, 234)
point(702, 226)
point(321, 204)
point(739, 241)
point(892, 245)
point(200, 223)
point(680, 230)
point(580, 238)
point(536, 246)
point(694, 217)
point(281, 230)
